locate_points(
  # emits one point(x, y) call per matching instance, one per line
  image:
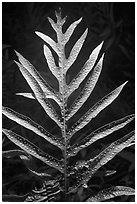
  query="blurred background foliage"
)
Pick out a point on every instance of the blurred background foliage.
point(113, 23)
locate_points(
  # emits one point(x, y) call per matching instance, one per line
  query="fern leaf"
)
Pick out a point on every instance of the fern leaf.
point(101, 159)
point(31, 166)
point(33, 126)
point(39, 174)
point(46, 88)
point(39, 94)
point(100, 133)
point(75, 51)
point(95, 110)
point(49, 41)
point(88, 88)
point(53, 24)
point(33, 150)
point(27, 95)
point(51, 62)
point(32, 96)
point(70, 30)
point(74, 84)
point(13, 153)
point(111, 192)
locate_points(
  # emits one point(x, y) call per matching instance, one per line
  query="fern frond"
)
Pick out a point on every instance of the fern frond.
point(88, 66)
point(71, 174)
point(100, 133)
point(86, 91)
point(39, 94)
point(33, 126)
point(48, 92)
point(33, 150)
point(75, 51)
point(95, 110)
point(111, 192)
point(101, 159)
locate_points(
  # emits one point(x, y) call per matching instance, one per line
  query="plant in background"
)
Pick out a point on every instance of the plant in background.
point(72, 175)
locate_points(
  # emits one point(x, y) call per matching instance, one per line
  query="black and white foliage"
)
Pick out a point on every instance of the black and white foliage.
point(81, 171)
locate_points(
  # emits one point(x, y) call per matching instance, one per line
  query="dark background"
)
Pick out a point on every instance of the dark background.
point(113, 23)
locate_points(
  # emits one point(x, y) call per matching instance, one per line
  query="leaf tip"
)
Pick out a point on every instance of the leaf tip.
point(78, 21)
point(100, 45)
point(38, 33)
point(17, 63)
point(124, 84)
point(86, 31)
point(20, 57)
point(102, 57)
point(16, 52)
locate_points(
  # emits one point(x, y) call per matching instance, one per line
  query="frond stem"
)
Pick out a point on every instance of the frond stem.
point(62, 89)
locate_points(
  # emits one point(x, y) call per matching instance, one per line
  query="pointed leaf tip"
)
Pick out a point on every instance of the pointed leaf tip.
point(17, 53)
point(122, 86)
point(36, 32)
point(125, 83)
point(17, 63)
point(78, 21)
